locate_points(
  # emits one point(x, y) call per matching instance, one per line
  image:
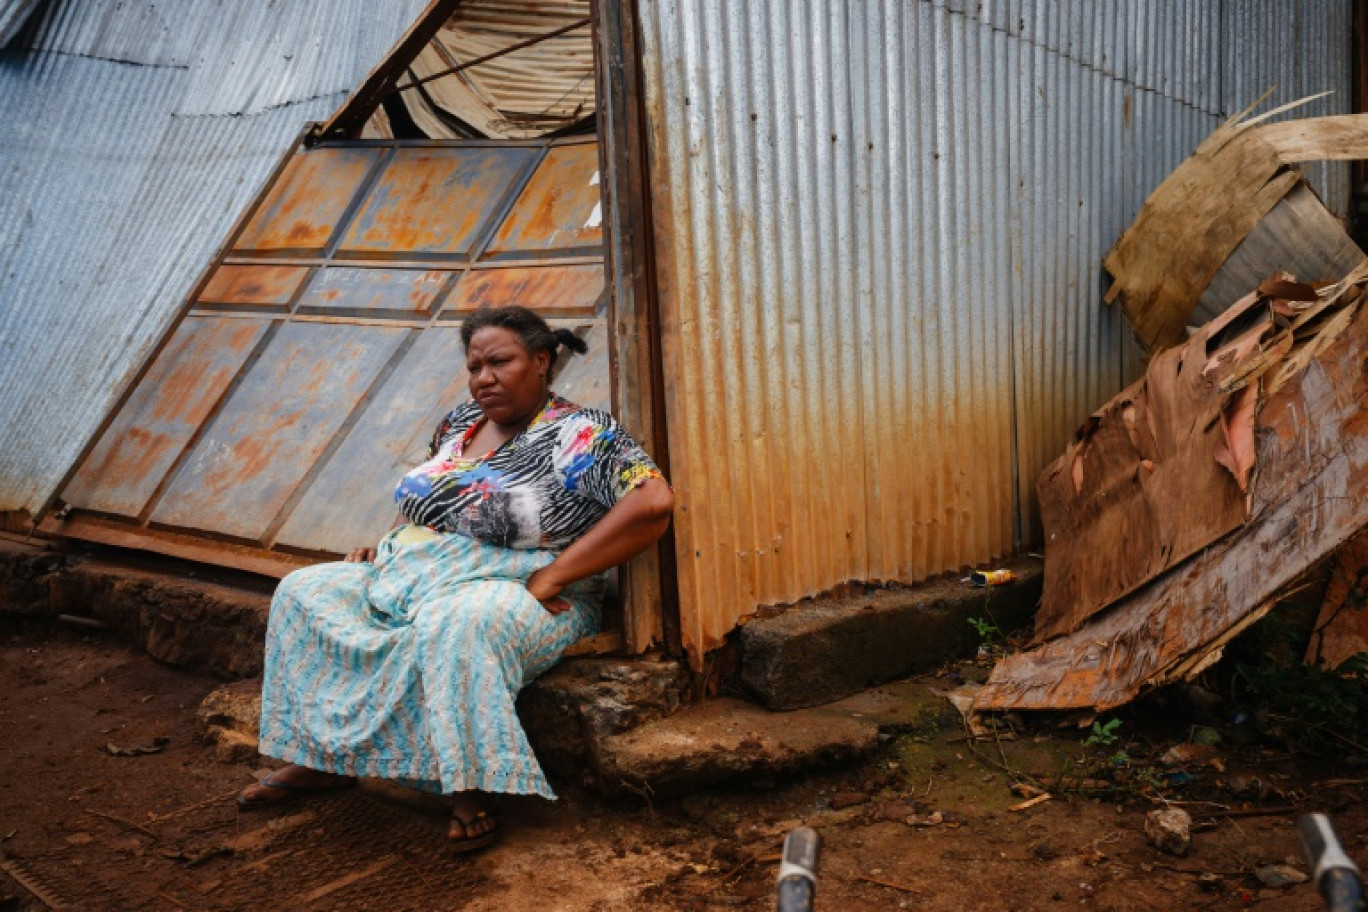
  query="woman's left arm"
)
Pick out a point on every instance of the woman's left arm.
point(633, 524)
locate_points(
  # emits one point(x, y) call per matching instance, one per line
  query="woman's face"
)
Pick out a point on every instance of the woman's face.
point(507, 382)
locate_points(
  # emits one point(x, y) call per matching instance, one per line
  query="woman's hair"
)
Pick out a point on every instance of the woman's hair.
point(530, 328)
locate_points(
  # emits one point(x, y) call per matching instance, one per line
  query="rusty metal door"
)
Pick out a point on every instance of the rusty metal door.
point(309, 367)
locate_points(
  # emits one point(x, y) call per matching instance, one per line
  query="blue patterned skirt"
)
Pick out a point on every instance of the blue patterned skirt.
point(407, 668)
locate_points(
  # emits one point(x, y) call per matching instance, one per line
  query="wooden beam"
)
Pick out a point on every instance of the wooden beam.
point(356, 110)
point(650, 595)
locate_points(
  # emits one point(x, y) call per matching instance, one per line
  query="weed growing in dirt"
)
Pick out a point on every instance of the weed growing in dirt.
point(1306, 707)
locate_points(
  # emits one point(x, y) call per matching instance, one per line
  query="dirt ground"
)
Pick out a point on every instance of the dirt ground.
point(925, 824)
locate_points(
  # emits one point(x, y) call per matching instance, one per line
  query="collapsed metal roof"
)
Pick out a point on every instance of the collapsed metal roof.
point(136, 132)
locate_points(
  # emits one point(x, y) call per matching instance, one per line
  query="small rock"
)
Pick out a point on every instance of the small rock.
point(231, 746)
point(1169, 830)
point(1044, 850)
point(1209, 882)
point(1279, 875)
point(1188, 755)
point(1246, 786)
point(847, 799)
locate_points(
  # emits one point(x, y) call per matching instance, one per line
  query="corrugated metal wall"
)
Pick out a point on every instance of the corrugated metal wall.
point(135, 132)
point(879, 231)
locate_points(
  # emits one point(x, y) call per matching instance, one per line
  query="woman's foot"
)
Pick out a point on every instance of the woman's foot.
point(473, 823)
point(290, 783)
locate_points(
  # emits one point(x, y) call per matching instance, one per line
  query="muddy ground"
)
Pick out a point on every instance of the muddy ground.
point(925, 824)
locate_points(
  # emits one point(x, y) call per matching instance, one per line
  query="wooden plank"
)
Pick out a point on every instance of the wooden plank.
point(1189, 226)
point(357, 109)
point(173, 544)
point(1307, 502)
point(1342, 137)
point(649, 585)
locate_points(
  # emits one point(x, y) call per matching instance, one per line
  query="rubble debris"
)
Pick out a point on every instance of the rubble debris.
point(1169, 830)
point(156, 747)
point(1291, 430)
point(1212, 226)
point(1280, 875)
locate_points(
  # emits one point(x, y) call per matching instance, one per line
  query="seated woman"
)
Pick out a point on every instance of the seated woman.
point(404, 660)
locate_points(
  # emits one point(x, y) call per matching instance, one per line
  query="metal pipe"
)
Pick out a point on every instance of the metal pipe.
point(1334, 873)
point(798, 871)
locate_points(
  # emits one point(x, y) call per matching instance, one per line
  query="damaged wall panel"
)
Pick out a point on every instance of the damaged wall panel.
point(311, 367)
point(1306, 501)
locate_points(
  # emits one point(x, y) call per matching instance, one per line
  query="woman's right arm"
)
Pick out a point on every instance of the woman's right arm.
point(367, 555)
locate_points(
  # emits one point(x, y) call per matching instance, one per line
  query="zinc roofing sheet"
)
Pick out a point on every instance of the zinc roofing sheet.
point(879, 233)
point(136, 131)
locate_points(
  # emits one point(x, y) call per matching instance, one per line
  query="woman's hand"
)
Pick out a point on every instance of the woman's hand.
point(360, 556)
point(546, 590)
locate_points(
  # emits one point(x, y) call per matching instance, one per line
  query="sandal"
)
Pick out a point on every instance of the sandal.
point(468, 843)
point(287, 791)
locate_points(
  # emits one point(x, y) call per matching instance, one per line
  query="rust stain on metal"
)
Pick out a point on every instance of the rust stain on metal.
point(434, 201)
point(156, 423)
point(253, 285)
point(275, 426)
point(346, 288)
point(560, 207)
point(302, 209)
point(570, 290)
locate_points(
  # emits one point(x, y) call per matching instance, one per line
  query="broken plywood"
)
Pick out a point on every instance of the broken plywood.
point(1164, 469)
point(1212, 204)
point(1341, 630)
point(1311, 439)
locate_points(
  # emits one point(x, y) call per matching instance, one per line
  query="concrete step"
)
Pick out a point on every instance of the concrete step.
point(825, 649)
point(730, 740)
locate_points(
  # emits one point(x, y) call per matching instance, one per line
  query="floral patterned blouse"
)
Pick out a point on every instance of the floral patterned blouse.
point(543, 488)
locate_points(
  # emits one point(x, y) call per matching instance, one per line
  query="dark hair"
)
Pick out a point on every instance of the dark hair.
point(535, 334)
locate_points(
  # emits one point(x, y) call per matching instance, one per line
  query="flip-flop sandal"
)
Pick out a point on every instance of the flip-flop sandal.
point(288, 792)
point(471, 843)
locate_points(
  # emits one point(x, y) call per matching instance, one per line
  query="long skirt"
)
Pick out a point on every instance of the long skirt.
point(407, 668)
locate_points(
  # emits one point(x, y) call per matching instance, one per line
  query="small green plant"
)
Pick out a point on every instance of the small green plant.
point(1103, 734)
point(985, 628)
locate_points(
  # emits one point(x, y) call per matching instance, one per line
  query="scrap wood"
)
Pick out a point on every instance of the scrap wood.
point(1031, 802)
point(1196, 219)
point(1165, 468)
point(1306, 502)
point(891, 885)
point(1341, 630)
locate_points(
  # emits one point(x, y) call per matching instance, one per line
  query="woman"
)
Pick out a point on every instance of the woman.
point(403, 661)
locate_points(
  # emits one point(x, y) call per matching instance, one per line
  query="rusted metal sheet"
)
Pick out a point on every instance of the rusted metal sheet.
point(301, 211)
point(302, 453)
point(410, 291)
point(560, 209)
point(549, 290)
point(275, 426)
point(266, 285)
point(1305, 502)
point(180, 390)
point(350, 503)
point(435, 201)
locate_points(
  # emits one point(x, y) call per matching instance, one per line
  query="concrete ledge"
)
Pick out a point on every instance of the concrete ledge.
point(177, 619)
point(826, 649)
